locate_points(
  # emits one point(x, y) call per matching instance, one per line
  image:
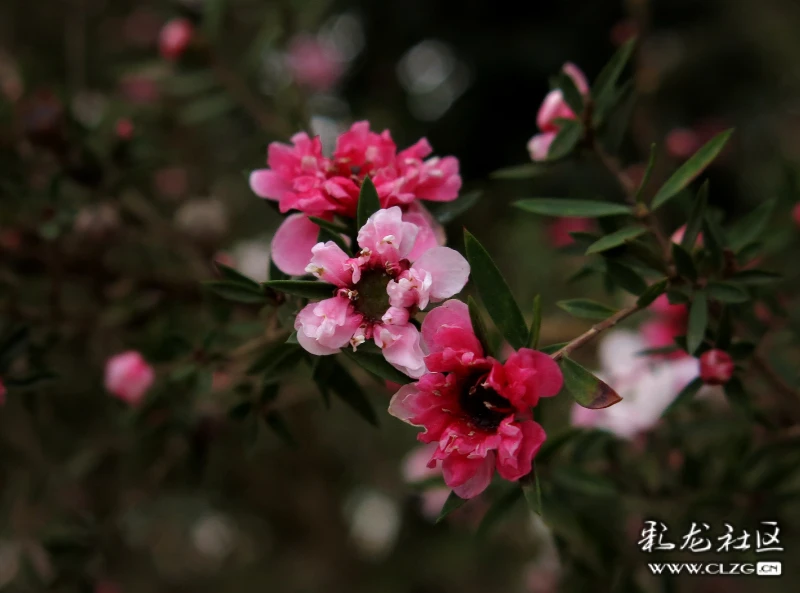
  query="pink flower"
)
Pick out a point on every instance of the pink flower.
point(175, 38)
point(716, 367)
point(670, 321)
point(682, 142)
point(378, 291)
point(554, 107)
point(677, 237)
point(129, 376)
point(301, 178)
point(314, 64)
point(475, 409)
point(124, 129)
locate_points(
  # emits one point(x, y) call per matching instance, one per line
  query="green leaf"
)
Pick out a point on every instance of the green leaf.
point(498, 510)
point(551, 348)
point(604, 87)
point(368, 202)
point(337, 229)
point(713, 242)
point(696, 218)
point(627, 278)
point(586, 309)
point(526, 171)
point(750, 228)
point(572, 96)
point(342, 383)
point(582, 482)
point(686, 394)
point(566, 140)
point(237, 277)
point(639, 197)
point(376, 364)
point(326, 235)
point(727, 292)
point(277, 424)
point(495, 293)
point(310, 289)
point(532, 490)
point(277, 356)
point(478, 327)
point(698, 321)
point(586, 389)
point(236, 291)
point(684, 263)
point(616, 239)
point(536, 323)
point(452, 503)
point(690, 169)
point(755, 277)
point(275, 273)
point(564, 207)
point(447, 212)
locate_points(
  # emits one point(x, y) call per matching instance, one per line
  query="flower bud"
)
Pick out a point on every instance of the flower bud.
point(716, 367)
point(175, 38)
point(124, 129)
point(129, 376)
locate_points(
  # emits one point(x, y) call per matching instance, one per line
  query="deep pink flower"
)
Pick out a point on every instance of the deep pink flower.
point(313, 64)
point(378, 291)
point(129, 376)
point(301, 178)
point(475, 408)
point(554, 107)
point(175, 38)
point(716, 367)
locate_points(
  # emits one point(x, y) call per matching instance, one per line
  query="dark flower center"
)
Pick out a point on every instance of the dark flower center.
point(484, 407)
point(373, 300)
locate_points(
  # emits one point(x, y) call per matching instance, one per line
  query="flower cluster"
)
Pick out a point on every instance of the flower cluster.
point(301, 178)
point(476, 409)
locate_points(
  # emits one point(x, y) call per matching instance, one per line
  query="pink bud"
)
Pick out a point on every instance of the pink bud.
point(716, 367)
point(174, 38)
point(129, 376)
point(124, 129)
point(677, 237)
point(796, 215)
point(682, 143)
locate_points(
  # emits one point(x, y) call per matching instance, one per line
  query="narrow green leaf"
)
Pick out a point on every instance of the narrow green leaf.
point(586, 389)
point(690, 169)
point(536, 323)
point(236, 291)
point(696, 218)
point(447, 212)
point(686, 394)
point(532, 490)
point(750, 228)
point(273, 357)
point(727, 292)
point(452, 503)
point(565, 207)
point(616, 239)
point(235, 276)
point(566, 140)
point(572, 96)
point(755, 277)
point(341, 382)
point(368, 202)
point(526, 171)
point(376, 364)
point(277, 423)
point(625, 277)
point(478, 327)
point(698, 321)
point(639, 197)
point(684, 263)
point(495, 293)
point(712, 243)
point(498, 510)
point(326, 235)
point(310, 289)
point(586, 309)
point(331, 226)
point(605, 84)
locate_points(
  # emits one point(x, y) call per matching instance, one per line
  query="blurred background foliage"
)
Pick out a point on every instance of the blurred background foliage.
point(106, 234)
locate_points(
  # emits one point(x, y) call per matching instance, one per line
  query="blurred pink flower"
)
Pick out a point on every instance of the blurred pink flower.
point(474, 408)
point(669, 322)
point(554, 107)
point(682, 143)
point(139, 88)
point(3, 392)
point(314, 64)
point(647, 385)
point(124, 129)
point(796, 215)
point(378, 290)
point(300, 178)
point(129, 376)
point(558, 230)
point(716, 367)
point(175, 37)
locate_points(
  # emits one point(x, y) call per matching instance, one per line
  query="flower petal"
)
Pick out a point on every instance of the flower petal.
point(449, 271)
point(401, 348)
point(331, 264)
point(327, 326)
point(468, 477)
point(386, 234)
point(292, 244)
point(268, 184)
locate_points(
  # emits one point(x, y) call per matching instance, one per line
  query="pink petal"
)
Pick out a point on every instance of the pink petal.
point(536, 372)
point(401, 348)
point(539, 145)
point(439, 325)
point(449, 271)
point(431, 233)
point(386, 234)
point(578, 77)
point(128, 376)
point(521, 441)
point(402, 406)
point(466, 476)
point(292, 244)
point(326, 327)
point(268, 184)
point(330, 264)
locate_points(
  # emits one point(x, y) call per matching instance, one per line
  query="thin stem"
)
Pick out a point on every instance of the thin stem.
point(595, 330)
